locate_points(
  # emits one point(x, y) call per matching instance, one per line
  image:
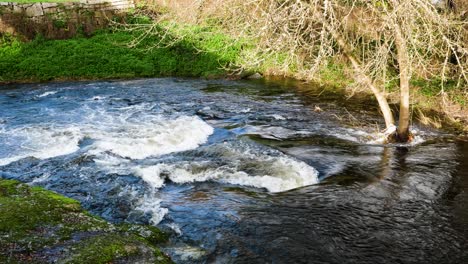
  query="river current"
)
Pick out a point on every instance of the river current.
point(242, 171)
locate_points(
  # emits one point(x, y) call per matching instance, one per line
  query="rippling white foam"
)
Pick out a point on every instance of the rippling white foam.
point(97, 98)
point(248, 168)
point(151, 175)
point(152, 205)
point(119, 137)
point(47, 94)
point(134, 139)
point(381, 138)
point(285, 174)
point(175, 227)
point(42, 142)
point(142, 140)
point(116, 138)
point(278, 117)
point(377, 138)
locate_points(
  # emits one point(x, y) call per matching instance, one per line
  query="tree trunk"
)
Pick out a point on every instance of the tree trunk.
point(362, 77)
point(360, 74)
point(403, 134)
point(379, 95)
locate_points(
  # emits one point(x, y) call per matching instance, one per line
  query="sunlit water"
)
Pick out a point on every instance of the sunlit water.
point(242, 172)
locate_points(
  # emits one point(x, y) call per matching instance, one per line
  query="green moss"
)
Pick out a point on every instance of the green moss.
point(34, 217)
point(112, 248)
point(150, 234)
point(103, 249)
point(33, 220)
point(433, 87)
point(8, 187)
point(23, 208)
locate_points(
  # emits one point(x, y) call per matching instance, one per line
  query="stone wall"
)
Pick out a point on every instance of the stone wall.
point(188, 11)
point(42, 9)
point(60, 20)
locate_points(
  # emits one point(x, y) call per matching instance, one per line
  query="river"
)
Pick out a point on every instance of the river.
point(242, 171)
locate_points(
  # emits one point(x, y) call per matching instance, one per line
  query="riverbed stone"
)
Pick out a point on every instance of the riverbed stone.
point(40, 226)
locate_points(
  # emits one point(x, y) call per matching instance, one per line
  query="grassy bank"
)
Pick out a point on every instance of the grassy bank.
point(177, 49)
point(40, 226)
point(190, 51)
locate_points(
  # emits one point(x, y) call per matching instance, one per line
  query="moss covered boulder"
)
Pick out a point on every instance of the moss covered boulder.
point(40, 226)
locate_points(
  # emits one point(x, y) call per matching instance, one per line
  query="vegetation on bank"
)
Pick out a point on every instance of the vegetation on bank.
point(40, 226)
point(190, 51)
point(430, 104)
point(150, 44)
point(383, 44)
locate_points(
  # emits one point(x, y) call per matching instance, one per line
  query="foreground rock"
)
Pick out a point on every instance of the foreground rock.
point(40, 226)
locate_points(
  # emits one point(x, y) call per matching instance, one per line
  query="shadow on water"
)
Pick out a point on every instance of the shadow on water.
point(395, 217)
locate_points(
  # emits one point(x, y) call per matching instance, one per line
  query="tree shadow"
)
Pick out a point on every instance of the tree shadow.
point(107, 55)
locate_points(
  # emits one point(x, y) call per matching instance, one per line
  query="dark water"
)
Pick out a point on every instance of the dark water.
point(242, 172)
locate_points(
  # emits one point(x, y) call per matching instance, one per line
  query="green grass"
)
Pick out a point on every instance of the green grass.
point(190, 51)
point(432, 88)
point(333, 74)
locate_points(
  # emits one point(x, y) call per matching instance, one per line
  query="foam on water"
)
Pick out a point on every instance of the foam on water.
point(152, 205)
point(129, 133)
point(175, 228)
point(143, 140)
point(278, 117)
point(41, 142)
point(241, 167)
point(381, 138)
point(47, 94)
point(151, 175)
point(115, 137)
point(286, 174)
point(377, 138)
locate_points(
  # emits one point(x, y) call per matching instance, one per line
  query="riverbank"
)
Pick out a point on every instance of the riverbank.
point(110, 54)
point(431, 105)
point(187, 50)
point(40, 226)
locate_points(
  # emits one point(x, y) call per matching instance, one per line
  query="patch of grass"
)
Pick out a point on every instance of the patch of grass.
point(433, 87)
point(333, 74)
point(190, 51)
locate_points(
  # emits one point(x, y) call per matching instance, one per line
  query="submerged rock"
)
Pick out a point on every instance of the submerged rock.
point(254, 76)
point(40, 226)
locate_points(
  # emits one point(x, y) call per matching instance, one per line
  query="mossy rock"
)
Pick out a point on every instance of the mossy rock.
point(115, 248)
point(40, 226)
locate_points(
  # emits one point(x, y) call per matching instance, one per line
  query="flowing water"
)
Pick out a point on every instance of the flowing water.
point(242, 172)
